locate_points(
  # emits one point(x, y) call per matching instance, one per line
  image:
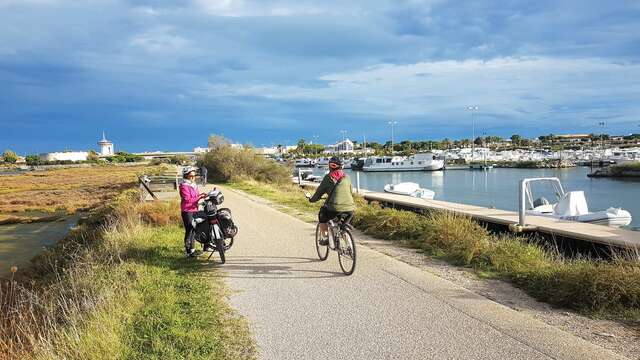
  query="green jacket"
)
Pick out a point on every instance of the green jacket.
point(340, 198)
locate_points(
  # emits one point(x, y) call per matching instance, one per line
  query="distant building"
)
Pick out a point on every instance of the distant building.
point(267, 151)
point(64, 156)
point(342, 147)
point(200, 150)
point(572, 138)
point(106, 146)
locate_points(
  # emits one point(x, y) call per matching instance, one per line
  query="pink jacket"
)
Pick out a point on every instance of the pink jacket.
point(190, 196)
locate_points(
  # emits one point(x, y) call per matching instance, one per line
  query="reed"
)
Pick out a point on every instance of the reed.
point(63, 191)
point(120, 287)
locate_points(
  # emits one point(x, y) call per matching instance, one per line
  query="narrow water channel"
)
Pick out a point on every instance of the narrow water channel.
point(19, 243)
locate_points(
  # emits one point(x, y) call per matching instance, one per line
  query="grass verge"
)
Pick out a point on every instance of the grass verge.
point(119, 288)
point(599, 288)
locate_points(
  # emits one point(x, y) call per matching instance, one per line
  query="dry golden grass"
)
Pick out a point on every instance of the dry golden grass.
point(63, 190)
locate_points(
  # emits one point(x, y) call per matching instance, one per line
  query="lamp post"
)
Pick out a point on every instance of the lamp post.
point(392, 123)
point(602, 124)
point(473, 109)
point(315, 141)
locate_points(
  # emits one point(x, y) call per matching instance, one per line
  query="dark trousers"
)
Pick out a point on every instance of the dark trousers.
point(189, 231)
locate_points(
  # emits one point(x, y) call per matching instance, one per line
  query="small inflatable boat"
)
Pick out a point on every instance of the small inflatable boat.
point(410, 189)
point(572, 206)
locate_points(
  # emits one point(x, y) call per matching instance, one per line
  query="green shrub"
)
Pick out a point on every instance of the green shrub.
point(226, 163)
point(9, 157)
point(389, 223)
point(461, 238)
point(32, 160)
point(122, 157)
point(514, 256)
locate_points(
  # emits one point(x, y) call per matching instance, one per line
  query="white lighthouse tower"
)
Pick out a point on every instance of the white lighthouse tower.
point(106, 146)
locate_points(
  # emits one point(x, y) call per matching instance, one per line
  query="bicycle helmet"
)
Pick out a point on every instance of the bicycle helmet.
point(187, 170)
point(335, 162)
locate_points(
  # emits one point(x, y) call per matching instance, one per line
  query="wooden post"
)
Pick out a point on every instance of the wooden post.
point(147, 188)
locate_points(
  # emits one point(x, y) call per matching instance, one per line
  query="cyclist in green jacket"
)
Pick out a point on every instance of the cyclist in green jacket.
point(337, 185)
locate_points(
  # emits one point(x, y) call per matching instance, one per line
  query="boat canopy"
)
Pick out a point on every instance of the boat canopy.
point(573, 203)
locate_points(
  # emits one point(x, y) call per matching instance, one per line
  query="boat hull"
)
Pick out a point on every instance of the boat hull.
point(615, 218)
point(419, 193)
point(399, 168)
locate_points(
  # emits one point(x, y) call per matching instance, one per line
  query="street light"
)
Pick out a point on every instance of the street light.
point(315, 140)
point(473, 109)
point(392, 123)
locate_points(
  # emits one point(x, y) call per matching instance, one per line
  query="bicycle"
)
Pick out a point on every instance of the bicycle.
point(340, 229)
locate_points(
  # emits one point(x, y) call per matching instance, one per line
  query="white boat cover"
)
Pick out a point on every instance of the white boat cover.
point(572, 203)
point(405, 187)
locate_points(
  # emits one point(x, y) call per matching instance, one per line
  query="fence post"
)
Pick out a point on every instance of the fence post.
point(522, 208)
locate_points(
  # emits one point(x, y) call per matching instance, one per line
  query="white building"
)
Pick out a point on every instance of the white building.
point(106, 146)
point(64, 156)
point(342, 147)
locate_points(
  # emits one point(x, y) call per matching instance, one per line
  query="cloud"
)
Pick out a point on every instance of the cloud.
point(257, 8)
point(160, 39)
point(293, 66)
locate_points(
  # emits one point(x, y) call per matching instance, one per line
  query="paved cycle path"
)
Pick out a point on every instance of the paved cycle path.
point(302, 308)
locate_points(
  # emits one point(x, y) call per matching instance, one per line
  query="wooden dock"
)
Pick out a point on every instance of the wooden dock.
point(599, 234)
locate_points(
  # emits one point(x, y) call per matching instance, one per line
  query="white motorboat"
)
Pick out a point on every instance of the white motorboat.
point(417, 162)
point(322, 162)
point(572, 206)
point(300, 163)
point(314, 178)
point(409, 189)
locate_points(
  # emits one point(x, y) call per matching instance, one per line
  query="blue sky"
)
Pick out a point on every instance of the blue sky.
point(164, 74)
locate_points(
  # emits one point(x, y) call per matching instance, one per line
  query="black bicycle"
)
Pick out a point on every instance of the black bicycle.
point(340, 240)
point(214, 227)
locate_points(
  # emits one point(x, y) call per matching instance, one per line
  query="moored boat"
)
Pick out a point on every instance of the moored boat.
point(417, 162)
point(572, 206)
point(410, 189)
point(302, 163)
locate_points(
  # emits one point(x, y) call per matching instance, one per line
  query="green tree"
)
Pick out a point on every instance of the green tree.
point(10, 157)
point(515, 140)
point(32, 160)
point(179, 159)
point(301, 145)
point(216, 141)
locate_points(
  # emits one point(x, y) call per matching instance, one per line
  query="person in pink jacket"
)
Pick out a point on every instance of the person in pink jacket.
point(190, 196)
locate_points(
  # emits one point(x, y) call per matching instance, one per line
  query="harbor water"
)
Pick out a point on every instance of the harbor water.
point(499, 187)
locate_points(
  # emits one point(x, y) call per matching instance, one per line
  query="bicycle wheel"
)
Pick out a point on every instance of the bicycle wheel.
point(217, 238)
point(347, 252)
point(228, 242)
point(323, 250)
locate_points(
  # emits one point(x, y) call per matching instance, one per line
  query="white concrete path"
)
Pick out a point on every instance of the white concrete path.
point(301, 308)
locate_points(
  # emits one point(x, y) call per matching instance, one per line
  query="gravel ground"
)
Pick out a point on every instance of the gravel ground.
point(302, 308)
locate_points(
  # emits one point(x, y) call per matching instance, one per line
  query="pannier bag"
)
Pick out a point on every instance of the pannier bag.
point(225, 219)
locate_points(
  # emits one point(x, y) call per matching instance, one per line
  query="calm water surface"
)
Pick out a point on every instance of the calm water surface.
point(499, 187)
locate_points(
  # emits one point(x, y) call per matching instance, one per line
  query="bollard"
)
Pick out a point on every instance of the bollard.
point(522, 210)
point(299, 177)
point(358, 182)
